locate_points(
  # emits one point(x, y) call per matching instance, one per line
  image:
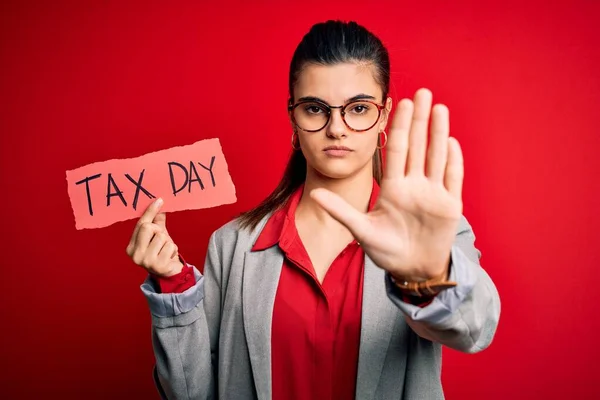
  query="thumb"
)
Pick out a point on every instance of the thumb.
point(356, 221)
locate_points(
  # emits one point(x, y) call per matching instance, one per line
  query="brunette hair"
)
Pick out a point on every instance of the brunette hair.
point(326, 43)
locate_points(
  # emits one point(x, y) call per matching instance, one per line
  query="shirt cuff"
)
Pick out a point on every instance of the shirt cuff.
point(177, 283)
point(417, 301)
point(173, 304)
point(445, 303)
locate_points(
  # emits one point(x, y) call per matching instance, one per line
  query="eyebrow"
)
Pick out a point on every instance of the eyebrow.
point(361, 96)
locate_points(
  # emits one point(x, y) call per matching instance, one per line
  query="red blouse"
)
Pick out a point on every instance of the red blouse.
point(316, 327)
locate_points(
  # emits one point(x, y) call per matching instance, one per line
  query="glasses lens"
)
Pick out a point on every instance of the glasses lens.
point(361, 115)
point(311, 116)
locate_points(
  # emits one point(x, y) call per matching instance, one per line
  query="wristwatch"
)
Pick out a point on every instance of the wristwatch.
point(427, 288)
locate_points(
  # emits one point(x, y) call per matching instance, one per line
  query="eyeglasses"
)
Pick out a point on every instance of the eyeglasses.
point(314, 115)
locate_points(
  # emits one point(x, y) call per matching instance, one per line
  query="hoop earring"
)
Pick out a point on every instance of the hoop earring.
point(293, 146)
point(384, 142)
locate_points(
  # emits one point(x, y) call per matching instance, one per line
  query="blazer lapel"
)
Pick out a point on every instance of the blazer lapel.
point(379, 319)
point(262, 270)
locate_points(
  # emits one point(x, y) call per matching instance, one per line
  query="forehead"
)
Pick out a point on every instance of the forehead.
point(337, 83)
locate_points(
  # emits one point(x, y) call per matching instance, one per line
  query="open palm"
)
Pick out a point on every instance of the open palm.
point(411, 228)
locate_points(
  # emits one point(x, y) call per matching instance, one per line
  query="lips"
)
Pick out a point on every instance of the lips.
point(337, 151)
point(342, 148)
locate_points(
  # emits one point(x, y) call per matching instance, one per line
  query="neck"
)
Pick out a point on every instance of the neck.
point(355, 189)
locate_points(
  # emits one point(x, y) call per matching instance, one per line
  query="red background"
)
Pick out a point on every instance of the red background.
point(90, 81)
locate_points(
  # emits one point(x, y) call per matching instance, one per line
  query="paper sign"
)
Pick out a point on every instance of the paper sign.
point(185, 177)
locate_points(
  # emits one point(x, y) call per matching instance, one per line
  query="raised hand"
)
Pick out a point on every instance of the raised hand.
point(410, 230)
point(150, 245)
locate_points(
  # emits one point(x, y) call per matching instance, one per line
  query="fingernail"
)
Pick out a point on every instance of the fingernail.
point(159, 202)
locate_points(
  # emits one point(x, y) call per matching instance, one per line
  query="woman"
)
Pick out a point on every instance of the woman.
point(347, 280)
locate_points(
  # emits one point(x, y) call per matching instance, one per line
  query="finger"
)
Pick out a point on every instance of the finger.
point(161, 220)
point(356, 221)
point(146, 234)
point(152, 210)
point(147, 216)
point(437, 153)
point(417, 139)
point(156, 245)
point(454, 169)
point(167, 253)
point(397, 145)
point(170, 249)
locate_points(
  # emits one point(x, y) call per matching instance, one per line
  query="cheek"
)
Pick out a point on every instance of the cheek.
point(367, 143)
point(310, 145)
point(311, 141)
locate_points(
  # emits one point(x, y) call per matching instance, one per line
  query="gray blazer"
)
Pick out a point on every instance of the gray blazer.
point(213, 340)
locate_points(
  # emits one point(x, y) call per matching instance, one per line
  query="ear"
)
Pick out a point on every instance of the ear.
point(290, 103)
point(385, 114)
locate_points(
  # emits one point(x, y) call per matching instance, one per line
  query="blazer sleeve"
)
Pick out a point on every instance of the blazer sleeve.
point(464, 317)
point(185, 330)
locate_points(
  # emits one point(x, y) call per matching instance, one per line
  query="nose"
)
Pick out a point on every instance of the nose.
point(336, 128)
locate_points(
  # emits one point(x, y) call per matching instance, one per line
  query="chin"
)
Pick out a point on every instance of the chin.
point(337, 168)
point(338, 171)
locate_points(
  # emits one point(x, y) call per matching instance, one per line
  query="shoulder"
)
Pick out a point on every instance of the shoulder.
point(232, 234)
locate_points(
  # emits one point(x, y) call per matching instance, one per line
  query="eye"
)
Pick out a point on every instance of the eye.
point(313, 109)
point(360, 108)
